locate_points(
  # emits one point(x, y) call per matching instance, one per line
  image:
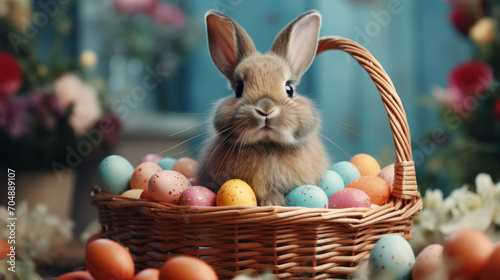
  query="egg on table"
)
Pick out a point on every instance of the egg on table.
point(236, 192)
point(197, 196)
point(391, 258)
point(142, 173)
point(376, 188)
point(347, 198)
point(307, 196)
point(348, 171)
point(186, 268)
point(331, 182)
point(113, 174)
point(107, 259)
point(428, 263)
point(167, 186)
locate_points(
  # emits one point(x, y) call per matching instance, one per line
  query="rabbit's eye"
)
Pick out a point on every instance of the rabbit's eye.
point(289, 89)
point(239, 88)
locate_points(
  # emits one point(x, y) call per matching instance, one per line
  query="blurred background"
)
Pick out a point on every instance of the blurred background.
point(80, 80)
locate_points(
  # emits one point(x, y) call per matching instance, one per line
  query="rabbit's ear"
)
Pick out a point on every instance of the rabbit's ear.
point(298, 41)
point(228, 42)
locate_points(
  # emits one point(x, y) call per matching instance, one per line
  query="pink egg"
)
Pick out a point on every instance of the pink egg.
point(142, 174)
point(150, 158)
point(347, 198)
point(428, 263)
point(167, 186)
point(186, 166)
point(387, 173)
point(197, 196)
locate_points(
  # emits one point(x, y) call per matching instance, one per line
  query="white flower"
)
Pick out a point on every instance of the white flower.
point(433, 199)
point(86, 107)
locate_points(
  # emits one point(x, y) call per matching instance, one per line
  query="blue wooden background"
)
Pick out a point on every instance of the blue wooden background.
point(413, 40)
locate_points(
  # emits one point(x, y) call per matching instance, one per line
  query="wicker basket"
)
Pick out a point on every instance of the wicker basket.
point(292, 242)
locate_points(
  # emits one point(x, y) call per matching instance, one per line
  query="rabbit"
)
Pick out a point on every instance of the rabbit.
point(265, 133)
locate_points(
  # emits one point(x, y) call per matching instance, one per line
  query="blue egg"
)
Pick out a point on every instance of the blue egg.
point(167, 163)
point(391, 258)
point(307, 196)
point(113, 175)
point(331, 182)
point(348, 171)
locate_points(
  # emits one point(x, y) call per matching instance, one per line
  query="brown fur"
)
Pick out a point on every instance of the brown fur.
point(273, 161)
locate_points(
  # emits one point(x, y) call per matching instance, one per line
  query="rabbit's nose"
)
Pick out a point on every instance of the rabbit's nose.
point(262, 112)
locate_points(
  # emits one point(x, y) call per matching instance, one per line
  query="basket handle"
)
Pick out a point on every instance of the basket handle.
point(405, 183)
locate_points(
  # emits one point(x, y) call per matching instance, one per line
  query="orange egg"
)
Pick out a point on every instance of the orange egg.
point(148, 274)
point(76, 275)
point(186, 268)
point(142, 173)
point(366, 164)
point(375, 187)
point(466, 253)
point(427, 262)
point(4, 249)
point(108, 260)
point(92, 238)
point(236, 192)
point(491, 269)
point(186, 166)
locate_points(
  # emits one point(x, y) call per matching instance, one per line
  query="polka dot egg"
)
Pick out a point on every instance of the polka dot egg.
point(391, 258)
point(236, 192)
point(347, 198)
point(331, 183)
point(348, 171)
point(307, 196)
point(113, 174)
point(142, 174)
point(167, 186)
point(197, 196)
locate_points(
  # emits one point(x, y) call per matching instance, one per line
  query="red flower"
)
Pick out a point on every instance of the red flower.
point(471, 78)
point(10, 75)
point(462, 20)
point(496, 109)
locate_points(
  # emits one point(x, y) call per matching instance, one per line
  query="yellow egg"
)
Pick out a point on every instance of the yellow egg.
point(366, 164)
point(236, 192)
point(133, 193)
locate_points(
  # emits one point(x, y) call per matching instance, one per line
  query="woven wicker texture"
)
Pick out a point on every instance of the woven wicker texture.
point(292, 242)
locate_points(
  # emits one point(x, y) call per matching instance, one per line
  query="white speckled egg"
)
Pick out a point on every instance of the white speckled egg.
point(391, 258)
point(331, 182)
point(142, 174)
point(347, 171)
point(113, 174)
point(347, 198)
point(167, 186)
point(307, 196)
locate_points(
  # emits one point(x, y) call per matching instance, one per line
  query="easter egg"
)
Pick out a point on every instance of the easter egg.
point(148, 274)
point(134, 193)
point(167, 163)
point(331, 182)
point(186, 166)
point(186, 268)
point(106, 259)
point(428, 262)
point(167, 186)
point(466, 253)
point(142, 173)
point(348, 171)
point(150, 158)
point(197, 196)
point(491, 269)
point(387, 173)
point(376, 188)
point(235, 192)
point(76, 275)
point(347, 198)
point(366, 164)
point(307, 196)
point(391, 258)
point(145, 195)
point(113, 174)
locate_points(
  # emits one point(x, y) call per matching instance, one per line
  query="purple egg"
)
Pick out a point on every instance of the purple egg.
point(197, 196)
point(150, 158)
point(348, 198)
